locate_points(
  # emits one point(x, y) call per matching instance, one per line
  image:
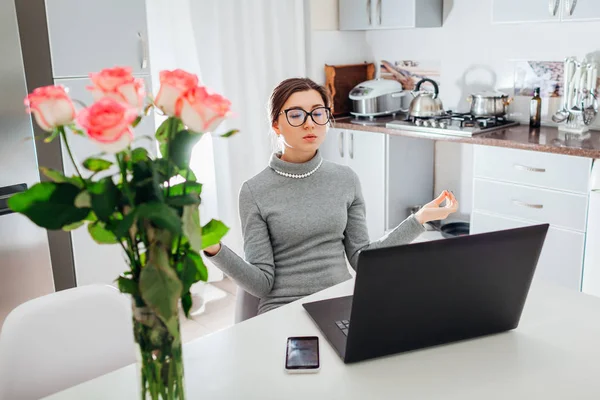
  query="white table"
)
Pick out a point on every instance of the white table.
point(553, 354)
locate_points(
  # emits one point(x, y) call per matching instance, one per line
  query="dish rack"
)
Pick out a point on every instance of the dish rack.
point(580, 99)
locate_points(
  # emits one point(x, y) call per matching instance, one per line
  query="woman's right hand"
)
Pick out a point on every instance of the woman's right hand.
point(433, 211)
point(212, 250)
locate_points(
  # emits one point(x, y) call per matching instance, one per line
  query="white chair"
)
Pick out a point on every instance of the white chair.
point(246, 305)
point(62, 339)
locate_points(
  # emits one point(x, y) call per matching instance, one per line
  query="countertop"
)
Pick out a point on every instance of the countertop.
point(545, 139)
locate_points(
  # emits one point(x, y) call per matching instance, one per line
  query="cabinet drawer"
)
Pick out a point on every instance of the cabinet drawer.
point(545, 170)
point(564, 210)
point(562, 255)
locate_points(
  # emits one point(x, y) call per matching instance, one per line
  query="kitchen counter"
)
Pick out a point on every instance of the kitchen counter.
point(544, 139)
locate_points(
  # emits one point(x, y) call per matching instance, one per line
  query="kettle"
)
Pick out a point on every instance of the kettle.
point(425, 103)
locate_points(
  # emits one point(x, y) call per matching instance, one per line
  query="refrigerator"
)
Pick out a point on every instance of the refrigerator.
point(25, 266)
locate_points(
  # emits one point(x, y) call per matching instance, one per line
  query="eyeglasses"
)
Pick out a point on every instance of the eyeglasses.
point(297, 116)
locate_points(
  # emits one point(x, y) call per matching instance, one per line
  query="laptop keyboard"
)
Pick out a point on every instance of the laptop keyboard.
point(343, 325)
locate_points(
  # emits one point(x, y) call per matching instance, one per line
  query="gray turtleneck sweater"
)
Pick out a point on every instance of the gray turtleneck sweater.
point(298, 231)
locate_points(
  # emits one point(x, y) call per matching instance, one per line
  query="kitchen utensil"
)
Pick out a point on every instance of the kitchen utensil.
point(451, 229)
point(489, 104)
point(569, 68)
point(425, 103)
point(377, 97)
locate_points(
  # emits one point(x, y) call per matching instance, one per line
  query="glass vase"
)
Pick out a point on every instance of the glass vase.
point(159, 357)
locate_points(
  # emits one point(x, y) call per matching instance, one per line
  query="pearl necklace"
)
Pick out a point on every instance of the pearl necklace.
point(299, 176)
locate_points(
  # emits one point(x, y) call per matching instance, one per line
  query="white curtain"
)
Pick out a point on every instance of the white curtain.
point(245, 48)
point(172, 42)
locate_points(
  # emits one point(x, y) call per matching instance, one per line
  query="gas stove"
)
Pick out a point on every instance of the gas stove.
point(458, 124)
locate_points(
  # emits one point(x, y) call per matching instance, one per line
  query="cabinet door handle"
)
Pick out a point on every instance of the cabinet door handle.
point(341, 144)
point(144, 45)
point(379, 10)
point(528, 205)
point(351, 151)
point(369, 10)
point(570, 6)
point(530, 169)
point(6, 193)
point(553, 7)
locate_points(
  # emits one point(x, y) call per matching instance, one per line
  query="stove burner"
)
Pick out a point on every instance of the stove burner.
point(465, 120)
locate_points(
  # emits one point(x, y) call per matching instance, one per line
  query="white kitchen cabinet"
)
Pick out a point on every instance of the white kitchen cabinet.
point(389, 14)
point(395, 172)
point(581, 10)
point(514, 188)
point(366, 156)
point(515, 11)
point(562, 255)
point(95, 263)
point(87, 36)
point(364, 152)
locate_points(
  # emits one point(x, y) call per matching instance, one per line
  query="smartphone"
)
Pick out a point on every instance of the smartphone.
point(302, 354)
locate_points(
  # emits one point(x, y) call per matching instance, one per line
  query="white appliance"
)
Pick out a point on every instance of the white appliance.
point(591, 265)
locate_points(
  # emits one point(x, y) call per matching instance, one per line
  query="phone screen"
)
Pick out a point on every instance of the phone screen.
point(302, 352)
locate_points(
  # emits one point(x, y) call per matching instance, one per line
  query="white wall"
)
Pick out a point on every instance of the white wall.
point(474, 55)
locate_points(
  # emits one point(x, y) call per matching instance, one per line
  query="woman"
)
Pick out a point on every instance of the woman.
point(302, 215)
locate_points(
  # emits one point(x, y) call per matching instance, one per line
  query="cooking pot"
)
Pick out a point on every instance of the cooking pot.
point(425, 103)
point(489, 104)
point(376, 97)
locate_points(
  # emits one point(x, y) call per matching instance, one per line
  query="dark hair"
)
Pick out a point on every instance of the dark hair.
point(285, 89)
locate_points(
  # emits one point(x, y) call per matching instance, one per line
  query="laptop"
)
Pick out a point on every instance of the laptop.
point(431, 293)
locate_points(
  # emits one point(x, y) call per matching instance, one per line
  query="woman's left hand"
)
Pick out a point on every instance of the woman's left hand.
point(433, 210)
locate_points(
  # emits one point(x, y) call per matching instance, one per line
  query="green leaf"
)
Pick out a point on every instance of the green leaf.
point(52, 136)
point(180, 201)
point(230, 133)
point(125, 224)
point(191, 226)
point(186, 303)
point(180, 148)
point(192, 270)
point(163, 130)
point(159, 285)
point(105, 198)
point(49, 205)
point(100, 234)
point(188, 175)
point(72, 226)
point(91, 217)
point(147, 181)
point(83, 200)
point(213, 232)
point(96, 164)
point(161, 215)
point(76, 130)
point(136, 121)
point(128, 286)
point(190, 187)
point(59, 177)
point(139, 154)
point(199, 264)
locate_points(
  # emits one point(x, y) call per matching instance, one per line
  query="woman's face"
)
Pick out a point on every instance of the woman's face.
point(298, 136)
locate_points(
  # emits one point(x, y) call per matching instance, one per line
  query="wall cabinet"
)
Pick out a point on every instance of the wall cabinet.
point(389, 14)
point(514, 11)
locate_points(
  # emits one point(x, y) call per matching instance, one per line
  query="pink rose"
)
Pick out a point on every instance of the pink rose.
point(51, 107)
point(201, 111)
point(118, 83)
point(108, 123)
point(172, 85)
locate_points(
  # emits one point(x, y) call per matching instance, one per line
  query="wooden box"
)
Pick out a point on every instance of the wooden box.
point(341, 79)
